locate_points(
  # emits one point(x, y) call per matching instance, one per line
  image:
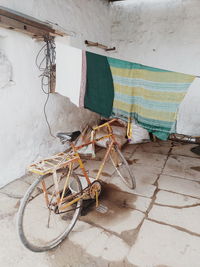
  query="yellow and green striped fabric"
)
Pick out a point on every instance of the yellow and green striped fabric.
point(149, 95)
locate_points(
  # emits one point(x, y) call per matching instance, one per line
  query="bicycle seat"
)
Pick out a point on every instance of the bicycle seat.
point(70, 137)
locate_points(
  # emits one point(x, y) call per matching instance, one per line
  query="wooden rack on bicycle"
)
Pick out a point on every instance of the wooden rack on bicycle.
point(49, 165)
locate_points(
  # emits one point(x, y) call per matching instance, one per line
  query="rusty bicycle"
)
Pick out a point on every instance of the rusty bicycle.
point(52, 204)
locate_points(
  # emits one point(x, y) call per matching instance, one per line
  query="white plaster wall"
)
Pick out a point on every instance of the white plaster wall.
point(158, 33)
point(24, 136)
point(5, 70)
point(81, 19)
point(163, 34)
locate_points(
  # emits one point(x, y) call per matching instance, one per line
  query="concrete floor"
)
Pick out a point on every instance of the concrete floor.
point(155, 225)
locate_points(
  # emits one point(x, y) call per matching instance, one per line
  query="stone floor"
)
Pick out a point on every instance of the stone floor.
point(155, 225)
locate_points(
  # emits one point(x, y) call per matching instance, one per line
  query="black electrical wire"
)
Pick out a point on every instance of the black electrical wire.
point(46, 65)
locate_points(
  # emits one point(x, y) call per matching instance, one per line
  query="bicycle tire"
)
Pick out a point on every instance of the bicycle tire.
point(35, 241)
point(123, 169)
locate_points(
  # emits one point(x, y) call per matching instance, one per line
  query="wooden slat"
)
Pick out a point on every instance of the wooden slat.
point(25, 19)
point(19, 26)
point(17, 21)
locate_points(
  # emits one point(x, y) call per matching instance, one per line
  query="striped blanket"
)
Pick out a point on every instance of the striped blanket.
point(149, 95)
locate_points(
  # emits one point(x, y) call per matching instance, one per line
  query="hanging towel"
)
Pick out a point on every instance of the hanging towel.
point(149, 95)
point(83, 80)
point(99, 93)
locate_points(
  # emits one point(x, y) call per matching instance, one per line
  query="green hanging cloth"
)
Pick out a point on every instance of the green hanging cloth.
point(99, 93)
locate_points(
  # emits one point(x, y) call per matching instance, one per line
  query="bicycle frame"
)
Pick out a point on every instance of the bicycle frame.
point(62, 160)
point(78, 159)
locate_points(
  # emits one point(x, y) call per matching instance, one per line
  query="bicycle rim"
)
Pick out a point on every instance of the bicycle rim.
point(122, 167)
point(41, 229)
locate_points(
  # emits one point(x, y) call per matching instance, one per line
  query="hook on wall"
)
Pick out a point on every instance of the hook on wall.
point(106, 48)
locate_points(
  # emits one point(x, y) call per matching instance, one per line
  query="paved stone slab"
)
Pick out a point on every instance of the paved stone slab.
point(13, 253)
point(178, 185)
point(180, 166)
point(142, 188)
point(29, 177)
point(119, 210)
point(81, 226)
point(121, 224)
point(85, 237)
point(129, 149)
point(173, 199)
point(160, 147)
point(97, 247)
point(141, 203)
point(153, 160)
point(15, 189)
point(187, 218)
point(124, 220)
point(99, 243)
point(8, 205)
point(160, 245)
point(145, 175)
point(114, 196)
point(115, 249)
point(184, 150)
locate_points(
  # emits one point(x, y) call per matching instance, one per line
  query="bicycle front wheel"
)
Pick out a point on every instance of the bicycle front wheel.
point(41, 225)
point(122, 167)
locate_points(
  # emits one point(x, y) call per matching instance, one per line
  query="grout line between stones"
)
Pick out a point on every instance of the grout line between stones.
point(175, 226)
point(174, 176)
point(156, 182)
point(104, 230)
point(160, 189)
point(177, 207)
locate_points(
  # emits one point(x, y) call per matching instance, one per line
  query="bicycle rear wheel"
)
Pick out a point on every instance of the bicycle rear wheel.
point(122, 167)
point(41, 227)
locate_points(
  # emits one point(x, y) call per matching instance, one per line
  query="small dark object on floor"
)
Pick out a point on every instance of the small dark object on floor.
point(86, 206)
point(196, 150)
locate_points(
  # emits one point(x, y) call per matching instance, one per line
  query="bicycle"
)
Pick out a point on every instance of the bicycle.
point(55, 198)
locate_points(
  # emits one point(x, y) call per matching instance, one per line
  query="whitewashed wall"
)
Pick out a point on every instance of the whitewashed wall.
point(163, 34)
point(159, 33)
point(24, 136)
point(81, 19)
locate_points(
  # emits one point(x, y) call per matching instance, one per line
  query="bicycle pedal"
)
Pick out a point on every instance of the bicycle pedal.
point(102, 209)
